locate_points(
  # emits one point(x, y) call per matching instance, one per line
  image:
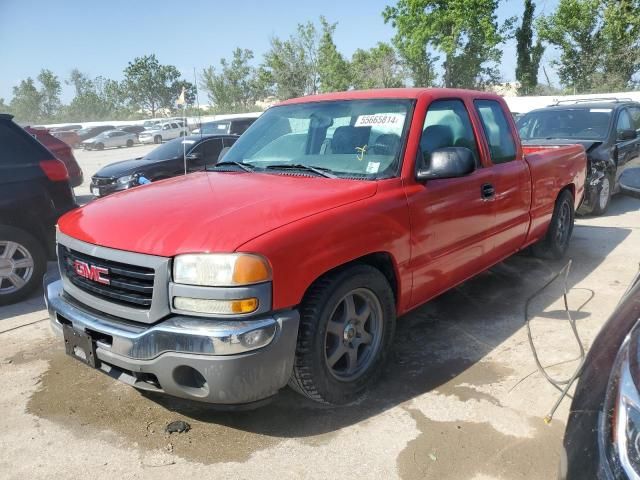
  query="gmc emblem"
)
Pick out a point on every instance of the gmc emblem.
point(91, 272)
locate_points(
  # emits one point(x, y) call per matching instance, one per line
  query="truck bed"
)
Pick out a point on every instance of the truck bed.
point(552, 167)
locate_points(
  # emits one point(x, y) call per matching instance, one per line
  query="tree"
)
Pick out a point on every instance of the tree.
point(333, 69)
point(291, 66)
point(529, 55)
point(236, 88)
point(99, 98)
point(466, 32)
point(49, 94)
point(621, 43)
point(378, 67)
point(4, 108)
point(575, 30)
point(26, 101)
point(150, 85)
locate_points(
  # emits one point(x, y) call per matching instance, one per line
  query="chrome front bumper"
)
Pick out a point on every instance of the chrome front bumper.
point(237, 362)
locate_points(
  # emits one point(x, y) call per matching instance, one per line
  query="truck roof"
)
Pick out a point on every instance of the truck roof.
point(410, 93)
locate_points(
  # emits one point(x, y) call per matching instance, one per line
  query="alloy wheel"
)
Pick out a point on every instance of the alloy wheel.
point(16, 267)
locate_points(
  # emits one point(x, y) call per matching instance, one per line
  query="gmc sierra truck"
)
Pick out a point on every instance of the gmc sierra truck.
point(290, 260)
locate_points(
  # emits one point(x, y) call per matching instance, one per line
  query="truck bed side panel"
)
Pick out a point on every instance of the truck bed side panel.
point(552, 169)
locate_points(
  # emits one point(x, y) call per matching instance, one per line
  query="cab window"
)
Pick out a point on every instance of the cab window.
point(502, 146)
point(447, 124)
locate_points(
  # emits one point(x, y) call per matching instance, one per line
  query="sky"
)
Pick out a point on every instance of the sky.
point(100, 38)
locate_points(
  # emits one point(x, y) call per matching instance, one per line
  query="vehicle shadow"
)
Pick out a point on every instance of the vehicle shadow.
point(34, 303)
point(434, 343)
point(621, 204)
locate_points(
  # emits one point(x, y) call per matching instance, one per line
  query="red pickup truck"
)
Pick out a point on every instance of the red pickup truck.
point(289, 261)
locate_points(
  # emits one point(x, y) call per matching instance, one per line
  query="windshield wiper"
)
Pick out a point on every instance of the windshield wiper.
point(244, 166)
point(324, 172)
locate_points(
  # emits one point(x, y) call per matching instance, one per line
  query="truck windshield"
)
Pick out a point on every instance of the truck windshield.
point(350, 138)
point(579, 123)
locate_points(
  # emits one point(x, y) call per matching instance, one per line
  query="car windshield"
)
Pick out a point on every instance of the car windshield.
point(554, 123)
point(215, 127)
point(349, 138)
point(171, 149)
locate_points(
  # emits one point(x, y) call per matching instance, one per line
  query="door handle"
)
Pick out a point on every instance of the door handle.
point(488, 192)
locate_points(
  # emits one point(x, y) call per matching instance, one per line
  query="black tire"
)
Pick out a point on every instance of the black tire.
point(100, 146)
point(8, 292)
point(129, 143)
point(604, 190)
point(157, 139)
point(555, 243)
point(312, 376)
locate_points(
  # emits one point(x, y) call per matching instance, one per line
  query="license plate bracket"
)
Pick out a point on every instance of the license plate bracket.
point(80, 346)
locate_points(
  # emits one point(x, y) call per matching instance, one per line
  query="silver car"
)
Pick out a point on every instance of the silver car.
point(110, 138)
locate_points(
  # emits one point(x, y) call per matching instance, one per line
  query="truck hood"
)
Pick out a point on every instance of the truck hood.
point(206, 212)
point(123, 167)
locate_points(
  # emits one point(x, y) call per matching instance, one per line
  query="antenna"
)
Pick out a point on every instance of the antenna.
point(195, 82)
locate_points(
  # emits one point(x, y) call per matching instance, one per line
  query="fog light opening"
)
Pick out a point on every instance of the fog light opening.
point(191, 380)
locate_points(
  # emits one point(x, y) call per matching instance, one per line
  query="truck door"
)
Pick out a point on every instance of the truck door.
point(450, 218)
point(511, 179)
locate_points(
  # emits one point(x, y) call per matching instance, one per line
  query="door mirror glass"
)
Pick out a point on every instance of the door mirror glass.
point(194, 156)
point(448, 162)
point(627, 134)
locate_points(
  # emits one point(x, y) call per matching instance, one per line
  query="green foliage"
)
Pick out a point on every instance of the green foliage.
point(95, 99)
point(575, 30)
point(26, 101)
point(237, 86)
point(465, 32)
point(291, 66)
point(378, 67)
point(621, 38)
point(529, 55)
point(151, 86)
point(333, 69)
point(49, 94)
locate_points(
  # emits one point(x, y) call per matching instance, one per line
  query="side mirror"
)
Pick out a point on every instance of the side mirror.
point(448, 162)
point(194, 156)
point(223, 152)
point(627, 134)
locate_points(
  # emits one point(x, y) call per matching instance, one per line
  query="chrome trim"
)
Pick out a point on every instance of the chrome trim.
point(261, 291)
point(160, 301)
point(177, 334)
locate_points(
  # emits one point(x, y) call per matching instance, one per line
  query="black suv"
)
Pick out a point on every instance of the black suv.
point(608, 130)
point(165, 161)
point(34, 192)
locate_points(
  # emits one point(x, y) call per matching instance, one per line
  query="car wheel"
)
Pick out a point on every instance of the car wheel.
point(603, 196)
point(157, 139)
point(22, 264)
point(556, 241)
point(129, 143)
point(347, 322)
point(100, 146)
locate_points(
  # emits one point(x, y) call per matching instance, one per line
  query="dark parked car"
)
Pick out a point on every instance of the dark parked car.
point(233, 126)
point(132, 129)
point(90, 132)
point(602, 438)
point(607, 129)
point(62, 151)
point(163, 162)
point(66, 128)
point(34, 192)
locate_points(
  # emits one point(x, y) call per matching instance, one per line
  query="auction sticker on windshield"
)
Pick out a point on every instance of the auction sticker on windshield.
point(380, 119)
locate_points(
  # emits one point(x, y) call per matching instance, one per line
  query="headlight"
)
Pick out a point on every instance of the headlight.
point(221, 270)
point(125, 180)
point(626, 419)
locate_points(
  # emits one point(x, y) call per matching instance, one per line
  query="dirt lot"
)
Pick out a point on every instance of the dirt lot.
point(460, 398)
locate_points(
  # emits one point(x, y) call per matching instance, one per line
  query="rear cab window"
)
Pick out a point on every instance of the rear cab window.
point(497, 131)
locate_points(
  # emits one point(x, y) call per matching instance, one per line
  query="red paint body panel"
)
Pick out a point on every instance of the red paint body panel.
point(437, 233)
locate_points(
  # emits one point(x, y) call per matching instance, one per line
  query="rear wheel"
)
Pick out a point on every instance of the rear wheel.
point(556, 241)
point(603, 197)
point(22, 264)
point(129, 143)
point(347, 321)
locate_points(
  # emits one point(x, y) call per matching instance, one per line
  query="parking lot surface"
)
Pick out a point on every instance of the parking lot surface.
point(460, 397)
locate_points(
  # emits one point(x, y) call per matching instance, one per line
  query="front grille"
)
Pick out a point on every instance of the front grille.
point(129, 285)
point(98, 181)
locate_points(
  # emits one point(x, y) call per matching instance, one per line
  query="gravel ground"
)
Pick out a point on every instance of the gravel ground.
point(460, 397)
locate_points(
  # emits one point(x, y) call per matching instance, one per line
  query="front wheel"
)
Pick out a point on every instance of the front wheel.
point(129, 143)
point(556, 241)
point(603, 197)
point(347, 322)
point(22, 264)
point(157, 139)
point(100, 146)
